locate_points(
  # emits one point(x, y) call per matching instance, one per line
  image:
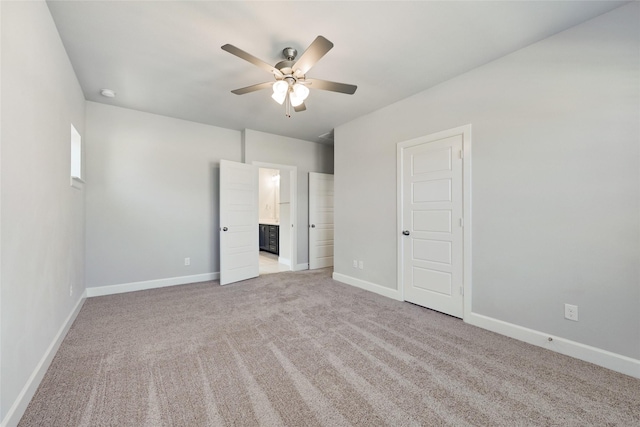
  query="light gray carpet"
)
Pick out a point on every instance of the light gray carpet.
point(299, 349)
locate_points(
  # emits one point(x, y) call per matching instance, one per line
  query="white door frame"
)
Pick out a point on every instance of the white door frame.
point(293, 205)
point(465, 131)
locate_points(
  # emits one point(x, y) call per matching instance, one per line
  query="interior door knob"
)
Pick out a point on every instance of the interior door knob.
point(313, 226)
point(406, 232)
point(224, 228)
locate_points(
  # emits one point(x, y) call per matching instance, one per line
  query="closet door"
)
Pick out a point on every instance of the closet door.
point(320, 220)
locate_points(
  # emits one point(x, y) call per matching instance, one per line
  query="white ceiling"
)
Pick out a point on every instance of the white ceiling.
point(165, 57)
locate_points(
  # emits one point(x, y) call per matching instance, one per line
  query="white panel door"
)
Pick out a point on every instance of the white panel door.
point(320, 220)
point(238, 222)
point(432, 234)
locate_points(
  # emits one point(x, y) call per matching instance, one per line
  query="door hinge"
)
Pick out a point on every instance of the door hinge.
point(461, 291)
point(461, 154)
point(461, 222)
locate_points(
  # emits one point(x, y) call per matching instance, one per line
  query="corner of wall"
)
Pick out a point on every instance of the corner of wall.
point(34, 58)
point(19, 406)
point(368, 286)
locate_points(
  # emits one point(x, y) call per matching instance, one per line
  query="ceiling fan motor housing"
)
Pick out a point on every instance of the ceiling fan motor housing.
point(286, 66)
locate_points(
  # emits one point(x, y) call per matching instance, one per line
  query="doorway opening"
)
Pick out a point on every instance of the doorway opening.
point(277, 217)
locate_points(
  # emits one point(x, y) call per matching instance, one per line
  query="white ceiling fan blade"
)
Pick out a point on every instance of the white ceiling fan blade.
point(332, 86)
point(318, 48)
point(300, 108)
point(252, 59)
point(252, 88)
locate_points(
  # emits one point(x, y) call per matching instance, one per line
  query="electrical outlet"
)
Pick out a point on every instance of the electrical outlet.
point(355, 263)
point(187, 261)
point(571, 312)
point(361, 265)
point(70, 290)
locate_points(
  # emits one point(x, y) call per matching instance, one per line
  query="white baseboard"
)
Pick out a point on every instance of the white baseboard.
point(29, 390)
point(150, 284)
point(597, 356)
point(368, 286)
point(301, 267)
point(615, 362)
point(284, 261)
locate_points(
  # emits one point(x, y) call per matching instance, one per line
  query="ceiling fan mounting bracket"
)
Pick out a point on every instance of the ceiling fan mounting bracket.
point(289, 53)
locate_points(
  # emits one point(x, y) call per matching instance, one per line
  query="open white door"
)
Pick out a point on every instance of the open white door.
point(238, 222)
point(320, 220)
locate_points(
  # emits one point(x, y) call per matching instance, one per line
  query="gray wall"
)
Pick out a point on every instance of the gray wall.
point(307, 156)
point(152, 192)
point(556, 182)
point(42, 216)
point(152, 195)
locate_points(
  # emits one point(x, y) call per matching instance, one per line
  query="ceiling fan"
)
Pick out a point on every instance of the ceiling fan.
point(291, 87)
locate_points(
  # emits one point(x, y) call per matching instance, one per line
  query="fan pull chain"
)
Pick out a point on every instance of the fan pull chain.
point(287, 106)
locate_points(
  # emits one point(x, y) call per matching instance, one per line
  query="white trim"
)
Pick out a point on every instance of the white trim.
point(29, 390)
point(615, 362)
point(77, 183)
point(467, 218)
point(293, 214)
point(301, 267)
point(267, 165)
point(76, 160)
point(465, 131)
point(284, 261)
point(399, 211)
point(368, 286)
point(293, 205)
point(150, 284)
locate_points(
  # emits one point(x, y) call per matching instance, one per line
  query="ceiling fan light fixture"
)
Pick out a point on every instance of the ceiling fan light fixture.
point(301, 91)
point(280, 89)
point(295, 100)
point(290, 86)
point(298, 94)
point(280, 86)
point(279, 97)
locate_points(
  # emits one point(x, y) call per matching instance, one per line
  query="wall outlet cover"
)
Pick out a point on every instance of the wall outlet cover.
point(571, 312)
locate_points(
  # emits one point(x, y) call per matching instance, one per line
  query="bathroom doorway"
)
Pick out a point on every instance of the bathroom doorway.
point(276, 218)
